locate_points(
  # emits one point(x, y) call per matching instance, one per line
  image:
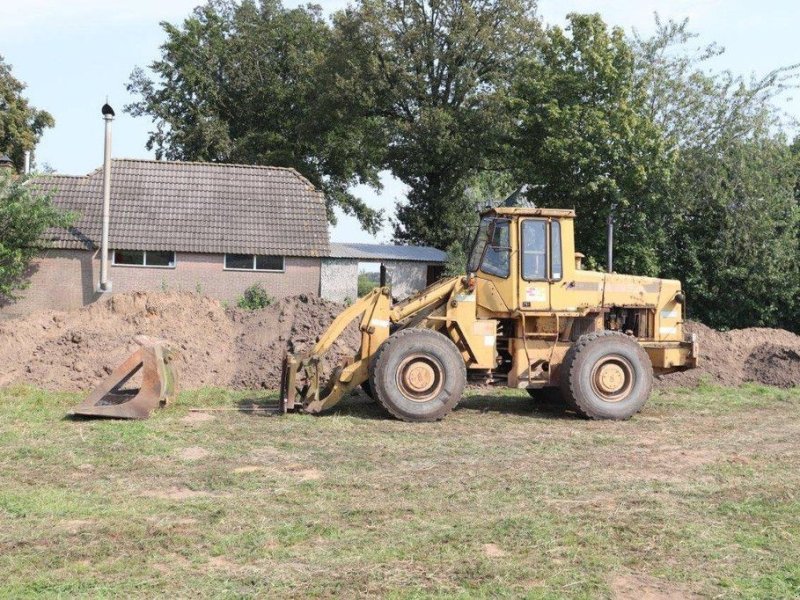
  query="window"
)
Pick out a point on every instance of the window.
point(496, 258)
point(534, 253)
point(534, 250)
point(555, 250)
point(478, 245)
point(254, 262)
point(144, 258)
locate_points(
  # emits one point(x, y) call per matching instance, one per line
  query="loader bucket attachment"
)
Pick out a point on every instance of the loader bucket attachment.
point(111, 399)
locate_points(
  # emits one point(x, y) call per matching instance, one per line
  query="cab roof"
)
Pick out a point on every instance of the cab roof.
point(528, 211)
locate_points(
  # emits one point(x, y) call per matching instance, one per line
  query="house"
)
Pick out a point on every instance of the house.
point(208, 227)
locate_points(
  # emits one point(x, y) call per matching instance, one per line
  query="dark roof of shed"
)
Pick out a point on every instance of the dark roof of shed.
point(193, 207)
point(378, 252)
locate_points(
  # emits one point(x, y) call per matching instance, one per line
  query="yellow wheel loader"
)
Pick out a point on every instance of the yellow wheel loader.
point(526, 316)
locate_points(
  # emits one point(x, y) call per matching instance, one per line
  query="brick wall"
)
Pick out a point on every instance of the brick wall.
point(66, 279)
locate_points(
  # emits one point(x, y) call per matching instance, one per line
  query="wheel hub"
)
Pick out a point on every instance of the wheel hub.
point(613, 378)
point(610, 378)
point(419, 377)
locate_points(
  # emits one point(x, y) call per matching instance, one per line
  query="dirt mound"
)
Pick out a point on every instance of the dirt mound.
point(218, 347)
point(768, 356)
point(241, 349)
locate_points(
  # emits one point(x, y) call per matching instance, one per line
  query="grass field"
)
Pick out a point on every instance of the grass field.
point(697, 495)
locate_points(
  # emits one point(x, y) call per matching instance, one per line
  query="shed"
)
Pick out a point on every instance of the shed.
point(407, 269)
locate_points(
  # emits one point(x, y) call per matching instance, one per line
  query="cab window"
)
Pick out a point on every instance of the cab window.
point(556, 271)
point(497, 257)
point(534, 249)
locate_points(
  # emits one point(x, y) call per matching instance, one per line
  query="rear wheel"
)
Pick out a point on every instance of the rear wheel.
point(607, 375)
point(418, 375)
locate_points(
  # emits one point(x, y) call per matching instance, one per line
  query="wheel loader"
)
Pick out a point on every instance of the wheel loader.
point(526, 316)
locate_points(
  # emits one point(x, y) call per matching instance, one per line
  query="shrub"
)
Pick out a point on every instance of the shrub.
point(255, 297)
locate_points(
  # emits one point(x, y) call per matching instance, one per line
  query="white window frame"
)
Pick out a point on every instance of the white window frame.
point(225, 266)
point(144, 258)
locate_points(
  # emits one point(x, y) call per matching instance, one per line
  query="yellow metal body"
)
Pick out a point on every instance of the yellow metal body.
point(507, 325)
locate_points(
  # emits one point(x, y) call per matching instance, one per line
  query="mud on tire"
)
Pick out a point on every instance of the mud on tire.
point(418, 375)
point(607, 375)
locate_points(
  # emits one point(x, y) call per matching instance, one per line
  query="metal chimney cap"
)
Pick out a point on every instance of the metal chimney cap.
point(107, 110)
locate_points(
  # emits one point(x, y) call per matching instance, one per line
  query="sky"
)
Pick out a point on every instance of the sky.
point(72, 54)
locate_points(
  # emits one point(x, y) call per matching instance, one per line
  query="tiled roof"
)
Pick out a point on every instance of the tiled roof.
point(193, 207)
point(378, 252)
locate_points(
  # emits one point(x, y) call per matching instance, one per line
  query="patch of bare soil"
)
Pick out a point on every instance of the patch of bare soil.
point(176, 493)
point(193, 418)
point(217, 347)
point(193, 453)
point(642, 587)
point(767, 356)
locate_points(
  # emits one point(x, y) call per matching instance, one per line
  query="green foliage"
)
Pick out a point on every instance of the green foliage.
point(24, 216)
point(733, 222)
point(437, 73)
point(584, 141)
point(456, 260)
point(21, 125)
point(255, 83)
point(254, 298)
point(366, 283)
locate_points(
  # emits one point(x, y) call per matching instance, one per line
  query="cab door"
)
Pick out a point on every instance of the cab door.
point(496, 275)
point(534, 285)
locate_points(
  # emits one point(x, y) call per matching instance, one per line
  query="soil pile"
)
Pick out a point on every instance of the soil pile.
point(768, 356)
point(231, 348)
point(241, 349)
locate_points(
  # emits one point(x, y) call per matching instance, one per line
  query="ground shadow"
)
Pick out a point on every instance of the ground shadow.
point(540, 408)
point(357, 404)
point(361, 406)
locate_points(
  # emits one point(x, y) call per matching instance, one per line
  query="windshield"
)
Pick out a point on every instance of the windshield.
point(493, 259)
point(481, 237)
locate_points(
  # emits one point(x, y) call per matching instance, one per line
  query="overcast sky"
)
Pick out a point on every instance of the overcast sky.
point(74, 53)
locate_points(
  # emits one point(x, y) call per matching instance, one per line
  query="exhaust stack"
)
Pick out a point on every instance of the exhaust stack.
point(108, 116)
point(610, 237)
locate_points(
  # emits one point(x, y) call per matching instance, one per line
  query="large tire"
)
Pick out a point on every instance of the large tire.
point(418, 375)
point(607, 375)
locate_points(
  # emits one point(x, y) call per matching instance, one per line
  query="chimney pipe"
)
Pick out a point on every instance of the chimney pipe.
point(610, 237)
point(108, 116)
point(27, 169)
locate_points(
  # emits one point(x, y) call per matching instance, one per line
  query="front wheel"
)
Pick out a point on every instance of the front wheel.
point(418, 375)
point(607, 375)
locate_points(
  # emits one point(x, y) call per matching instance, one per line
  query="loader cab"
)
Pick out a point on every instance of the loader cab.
point(518, 256)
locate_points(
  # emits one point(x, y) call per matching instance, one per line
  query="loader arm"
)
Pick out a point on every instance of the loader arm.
point(301, 388)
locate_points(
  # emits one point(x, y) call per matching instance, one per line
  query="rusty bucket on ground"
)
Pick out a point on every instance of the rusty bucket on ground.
point(111, 399)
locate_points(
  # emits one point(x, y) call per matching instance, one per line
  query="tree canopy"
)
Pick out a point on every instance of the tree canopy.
point(25, 215)
point(252, 83)
point(461, 98)
point(21, 125)
point(439, 72)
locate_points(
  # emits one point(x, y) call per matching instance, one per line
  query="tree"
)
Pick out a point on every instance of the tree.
point(24, 216)
point(437, 74)
point(21, 125)
point(585, 142)
point(733, 232)
point(252, 83)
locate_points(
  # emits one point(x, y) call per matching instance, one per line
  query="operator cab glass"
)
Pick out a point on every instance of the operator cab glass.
point(534, 250)
point(491, 251)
